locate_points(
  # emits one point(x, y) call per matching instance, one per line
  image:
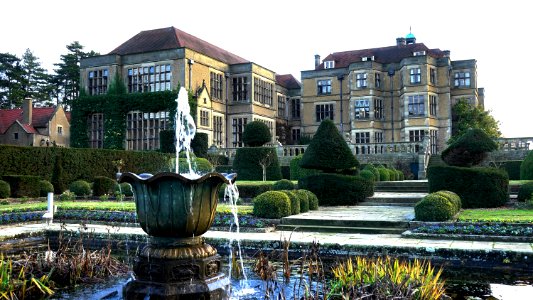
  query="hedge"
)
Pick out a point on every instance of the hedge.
point(283, 184)
point(5, 189)
point(103, 185)
point(512, 167)
point(80, 188)
point(526, 167)
point(246, 163)
point(384, 174)
point(477, 187)
point(45, 188)
point(23, 185)
point(336, 189)
point(272, 205)
point(525, 191)
point(295, 201)
point(298, 172)
point(78, 163)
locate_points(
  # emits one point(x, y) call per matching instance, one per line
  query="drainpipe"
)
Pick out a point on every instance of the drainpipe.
point(190, 62)
point(341, 78)
point(226, 75)
point(391, 73)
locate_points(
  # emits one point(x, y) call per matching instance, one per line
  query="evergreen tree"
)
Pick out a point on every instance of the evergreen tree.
point(36, 80)
point(466, 116)
point(68, 73)
point(11, 81)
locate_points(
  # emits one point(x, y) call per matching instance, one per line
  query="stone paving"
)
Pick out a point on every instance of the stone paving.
point(363, 213)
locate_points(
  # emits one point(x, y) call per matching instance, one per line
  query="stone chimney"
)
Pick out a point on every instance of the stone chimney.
point(446, 53)
point(27, 107)
point(317, 60)
point(400, 41)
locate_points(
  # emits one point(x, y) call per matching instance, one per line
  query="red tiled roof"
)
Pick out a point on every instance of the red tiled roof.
point(40, 118)
point(288, 81)
point(384, 55)
point(27, 127)
point(173, 38)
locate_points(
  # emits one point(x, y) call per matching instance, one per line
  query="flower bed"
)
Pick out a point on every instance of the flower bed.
point(521, 232)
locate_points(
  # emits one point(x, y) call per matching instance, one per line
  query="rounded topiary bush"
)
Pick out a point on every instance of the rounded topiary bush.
point(313, 200)
point(103, 185)
point(374, 170)
point(401, 177)
point(434, 208)
point(367, 174)
point(295, 201)
point(5, 189)
point(46, 187)
point(272, 205)
point(80, 188)
point(303, 199)
point(525, 191)
point(384, 174)
point(283, 184)
point(393, 175)
point(256, 134)
point(470, 149)
point(526, 167)
point(452, 197)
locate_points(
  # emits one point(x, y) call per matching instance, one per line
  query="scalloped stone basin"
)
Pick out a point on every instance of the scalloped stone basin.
point(171, 205)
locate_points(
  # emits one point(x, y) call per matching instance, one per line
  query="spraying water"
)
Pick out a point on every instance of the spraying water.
point(185, 129)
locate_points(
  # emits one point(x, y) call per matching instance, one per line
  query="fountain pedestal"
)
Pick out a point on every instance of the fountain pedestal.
point(177, 269)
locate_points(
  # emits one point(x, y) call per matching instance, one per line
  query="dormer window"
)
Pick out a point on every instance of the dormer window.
point(367, 58)
point(329, 64)
point(419, 53)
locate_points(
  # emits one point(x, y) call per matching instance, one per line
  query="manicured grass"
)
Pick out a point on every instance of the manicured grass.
point(497, 215)
point(519, 182)
point(101, 205)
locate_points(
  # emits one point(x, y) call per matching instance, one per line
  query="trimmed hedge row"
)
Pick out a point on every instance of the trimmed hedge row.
point(477, 187)
point(337, 189)
point(23, 185)
point(77, 163)
point(271, 205)
point(525, 191)
point(526, 167)
point(298, 172)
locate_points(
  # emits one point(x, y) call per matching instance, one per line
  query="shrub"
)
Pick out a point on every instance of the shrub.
point(5, 189)
point(124, 189)
point(393, 175)
point(67, 196)
point(374, 170)
point(80, 188)
point(58, 176)
point(198, 164)
point(336, 189)
point(23, 185)
point(477, 187)
point(272, 205)
point(166, 141)
point(295, 201)
point(217, 159)
point(328, 150)
point(199, 144)
point(401, 176)
point(283, 184)
point(512, 167)
point(313, 200)
point(45, 188)
point(367, 174)
point(434, 208)
point(247, 163)
point(469, 149)
point(525, 192)
point(102, 185)
point(247, 191)
point(453, 198)
point(298, 172)
point(304, 202)
point(384, 174)
point(526, 167)
point(256, 134)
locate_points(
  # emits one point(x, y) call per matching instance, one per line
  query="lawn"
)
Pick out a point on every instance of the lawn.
point(497, 215)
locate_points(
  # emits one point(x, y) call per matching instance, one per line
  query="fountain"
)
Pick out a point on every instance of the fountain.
point(175, 210)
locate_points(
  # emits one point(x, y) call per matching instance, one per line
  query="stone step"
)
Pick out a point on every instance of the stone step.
point(341, 229)
point(401, 189)
point(369, 203)
point(295, 221)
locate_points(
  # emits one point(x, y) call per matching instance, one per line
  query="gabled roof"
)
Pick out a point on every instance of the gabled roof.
point(384, 55)
point(288, 81)
point(40, 118)
point(27, 127)
point(173, 38)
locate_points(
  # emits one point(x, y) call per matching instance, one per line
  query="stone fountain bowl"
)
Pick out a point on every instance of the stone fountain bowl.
point(171, 205)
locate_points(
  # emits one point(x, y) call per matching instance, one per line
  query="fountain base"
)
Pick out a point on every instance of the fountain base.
point(169, 268)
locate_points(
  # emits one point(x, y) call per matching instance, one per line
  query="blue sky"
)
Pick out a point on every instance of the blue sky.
point(284, 36)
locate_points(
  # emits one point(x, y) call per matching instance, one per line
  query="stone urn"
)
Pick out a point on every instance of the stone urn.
point(175, 211)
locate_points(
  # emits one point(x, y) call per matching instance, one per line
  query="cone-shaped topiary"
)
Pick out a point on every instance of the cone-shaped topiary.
point(469, 149)
point(256, 134)
point(328, 151)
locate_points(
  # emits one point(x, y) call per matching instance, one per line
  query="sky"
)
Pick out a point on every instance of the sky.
point(284, 35)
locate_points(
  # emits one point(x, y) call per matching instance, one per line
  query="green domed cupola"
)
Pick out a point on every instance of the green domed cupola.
point(410, 38)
